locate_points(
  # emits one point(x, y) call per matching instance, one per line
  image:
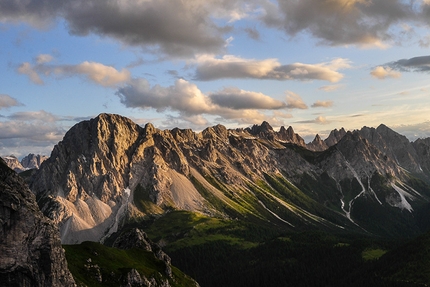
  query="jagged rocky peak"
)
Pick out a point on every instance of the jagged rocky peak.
point(30, 247)
point(334, 137)
point(288, 135)
point(317, 144)
point(261, 130)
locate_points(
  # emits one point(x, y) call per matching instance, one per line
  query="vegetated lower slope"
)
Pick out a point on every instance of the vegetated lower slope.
point(93, 264)
point(221, 252)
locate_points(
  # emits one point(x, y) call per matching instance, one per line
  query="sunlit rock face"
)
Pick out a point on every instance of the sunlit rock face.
point(30, 247)
point(109, 169)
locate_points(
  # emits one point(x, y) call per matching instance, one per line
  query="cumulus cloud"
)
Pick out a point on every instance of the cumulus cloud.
point(211, 68)
point(382, 73)
point(7, 101)
point(185, 28)
point(294, 101)
point(322, 104)
point(342, 22)
point(98, 73)
point(187, 99)
point(188, 28)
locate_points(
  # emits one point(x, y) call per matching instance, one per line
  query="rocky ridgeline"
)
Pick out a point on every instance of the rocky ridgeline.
point(30, 249)
point(89, 184)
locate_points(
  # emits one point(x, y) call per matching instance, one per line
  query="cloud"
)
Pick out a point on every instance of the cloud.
point(415, 64)
point(211, 68)
point(7, 101)
point(295, 102)
point(414, 131)
point(320, 120)
point(26, 69)
point(185, 28)
point(382, 73)
point(98, 73)
point(44, 58)
point(187, 99)
point(252, 33)
point(322, 104)
point(329, 88)
point(239, 99)
point(342, 22)
point(41, 116)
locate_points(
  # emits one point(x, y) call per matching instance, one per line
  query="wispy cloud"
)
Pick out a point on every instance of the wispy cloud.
point(322, 104)
point(320, 120)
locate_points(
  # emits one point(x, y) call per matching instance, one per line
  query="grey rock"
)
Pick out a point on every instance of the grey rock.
point(30, 247)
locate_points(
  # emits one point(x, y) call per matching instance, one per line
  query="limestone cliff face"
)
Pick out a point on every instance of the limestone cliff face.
point(109, 168)
point(30, 247)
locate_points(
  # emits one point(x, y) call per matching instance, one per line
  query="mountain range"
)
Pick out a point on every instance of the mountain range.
point(109, 169)
point(239, 187)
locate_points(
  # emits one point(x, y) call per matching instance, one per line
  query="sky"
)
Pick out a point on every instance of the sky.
point(315, 65)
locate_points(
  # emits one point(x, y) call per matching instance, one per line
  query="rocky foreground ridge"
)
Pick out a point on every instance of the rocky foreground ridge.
point(109, 169)
point(30, 249)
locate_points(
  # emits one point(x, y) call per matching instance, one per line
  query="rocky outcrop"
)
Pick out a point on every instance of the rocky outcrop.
point(30, 247)
point(136, 238)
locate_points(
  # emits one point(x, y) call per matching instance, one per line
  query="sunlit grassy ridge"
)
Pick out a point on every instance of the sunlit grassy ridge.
point(114, 264)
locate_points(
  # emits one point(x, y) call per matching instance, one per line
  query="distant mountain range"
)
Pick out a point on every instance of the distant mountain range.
point(31, 161)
